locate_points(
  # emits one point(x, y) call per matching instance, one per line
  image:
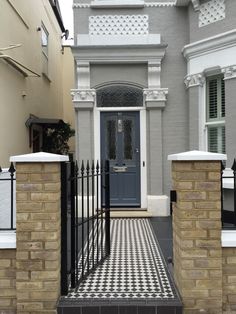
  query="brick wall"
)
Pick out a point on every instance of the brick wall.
point(229, 280)
point(38, 237)
point(197, 235)
point(7, 281)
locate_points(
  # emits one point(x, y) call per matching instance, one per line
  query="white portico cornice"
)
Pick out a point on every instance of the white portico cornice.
point(119, 54)
point(210, 44)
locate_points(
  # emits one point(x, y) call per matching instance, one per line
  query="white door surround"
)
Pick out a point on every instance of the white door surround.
point(155, 97)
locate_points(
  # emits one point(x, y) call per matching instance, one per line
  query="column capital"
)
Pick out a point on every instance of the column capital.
point(83, 98)
point(194, 80)
point(156, 94)
point(229, 72)
point(83, 94)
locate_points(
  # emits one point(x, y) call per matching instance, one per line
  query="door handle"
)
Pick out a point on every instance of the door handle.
point(120, 169)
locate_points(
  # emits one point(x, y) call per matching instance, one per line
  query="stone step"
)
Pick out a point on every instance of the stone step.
point(130, 213)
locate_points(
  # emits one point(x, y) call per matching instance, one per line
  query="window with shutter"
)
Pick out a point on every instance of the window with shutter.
point(215, 114)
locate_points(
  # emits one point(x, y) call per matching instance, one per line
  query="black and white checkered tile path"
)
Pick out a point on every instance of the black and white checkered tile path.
point(134, 269)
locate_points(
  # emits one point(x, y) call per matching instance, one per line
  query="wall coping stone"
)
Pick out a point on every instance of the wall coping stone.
point(7, 240)
point(39, 157)
point(197, 155)
point(228, 238)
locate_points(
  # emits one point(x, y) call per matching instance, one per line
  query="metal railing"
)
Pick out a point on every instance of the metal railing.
point(7, 199)
point(85, 221)
point(228, 196)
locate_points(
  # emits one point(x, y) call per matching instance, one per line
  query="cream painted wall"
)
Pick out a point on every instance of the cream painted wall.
point(68, 82)
point(19, 20)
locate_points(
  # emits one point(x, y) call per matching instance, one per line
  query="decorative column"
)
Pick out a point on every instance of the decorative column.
point(38, 232)
point(230, 118)
point(197, 230)
point(155, 100)
point(194, 84)
point(84, 101)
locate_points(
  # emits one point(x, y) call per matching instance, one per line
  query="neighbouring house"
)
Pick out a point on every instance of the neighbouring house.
point(153, 78)
point(36, 74)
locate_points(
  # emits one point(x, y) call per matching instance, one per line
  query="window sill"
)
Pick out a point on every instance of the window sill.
point(7, 240)
point(228, 238)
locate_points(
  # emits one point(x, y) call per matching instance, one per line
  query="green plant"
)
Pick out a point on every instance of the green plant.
point(55, 139)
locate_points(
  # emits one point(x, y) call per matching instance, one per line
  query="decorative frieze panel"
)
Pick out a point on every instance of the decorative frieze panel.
point(118, 25)
point(83, 95)
point(194, 80)
point(158, 94)
point(229, 72)
point(111, 4)
point(211, 11)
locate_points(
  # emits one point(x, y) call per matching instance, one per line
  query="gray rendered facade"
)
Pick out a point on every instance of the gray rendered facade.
point(171, 69)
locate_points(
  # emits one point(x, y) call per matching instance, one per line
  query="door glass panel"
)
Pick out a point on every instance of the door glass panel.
point(111, 139)
point(128, 139)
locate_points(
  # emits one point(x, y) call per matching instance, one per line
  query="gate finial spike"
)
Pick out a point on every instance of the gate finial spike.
point(0, 169)
point(92, 167)
point(87, 166)
point(234, 165)
point(76, 167)
point(97, 166)
point(222, 166)
point(82, 167)
point(11, 168)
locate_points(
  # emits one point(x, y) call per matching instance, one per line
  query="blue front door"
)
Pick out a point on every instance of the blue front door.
point(120, 143)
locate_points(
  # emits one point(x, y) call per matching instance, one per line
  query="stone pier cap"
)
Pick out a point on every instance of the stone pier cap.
point(196, 155)
point(39, 157)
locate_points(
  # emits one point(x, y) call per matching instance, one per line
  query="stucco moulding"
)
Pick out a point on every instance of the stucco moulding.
point(85, 40)
point(229, 72)
point(122, 4)
point(211, 44)
point(183, 3)
point(194, 80)
point(156, 95)
point(84, 95)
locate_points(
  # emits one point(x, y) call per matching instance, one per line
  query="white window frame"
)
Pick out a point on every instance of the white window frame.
point(219, 121)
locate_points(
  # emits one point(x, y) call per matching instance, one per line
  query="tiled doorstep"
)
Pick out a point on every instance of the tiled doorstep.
point(134, 274)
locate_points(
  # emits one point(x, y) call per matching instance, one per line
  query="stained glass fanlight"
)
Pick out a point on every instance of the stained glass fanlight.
point(119, 95)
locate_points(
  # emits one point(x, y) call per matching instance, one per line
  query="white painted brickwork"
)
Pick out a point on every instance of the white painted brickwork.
point(211, 11)
point(118, 25)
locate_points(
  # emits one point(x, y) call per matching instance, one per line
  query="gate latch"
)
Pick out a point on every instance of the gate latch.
point(173, 196)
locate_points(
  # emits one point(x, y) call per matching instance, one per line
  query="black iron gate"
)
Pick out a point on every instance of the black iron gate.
point(85, 220)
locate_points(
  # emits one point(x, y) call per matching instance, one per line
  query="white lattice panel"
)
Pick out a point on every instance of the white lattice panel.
point(118, 25)
point(211, 11)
